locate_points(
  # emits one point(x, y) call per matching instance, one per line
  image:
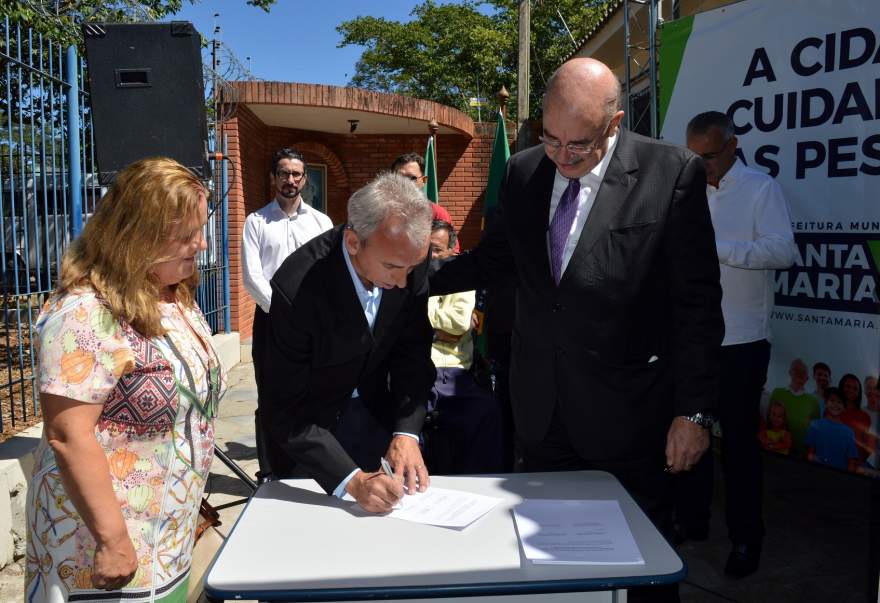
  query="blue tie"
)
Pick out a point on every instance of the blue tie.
point(560, 226)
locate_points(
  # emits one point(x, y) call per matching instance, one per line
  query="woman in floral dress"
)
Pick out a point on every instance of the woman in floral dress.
point(129, 385)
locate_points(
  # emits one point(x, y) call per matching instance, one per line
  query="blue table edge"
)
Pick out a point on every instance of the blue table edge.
point(438, 590)
point(448, 590)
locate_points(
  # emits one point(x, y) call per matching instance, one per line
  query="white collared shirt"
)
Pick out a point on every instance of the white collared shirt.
point(753, 237)
point(369, 298)
point(269, 236)
point(590, 183)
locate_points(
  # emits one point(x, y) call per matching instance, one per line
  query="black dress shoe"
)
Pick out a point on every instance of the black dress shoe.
point(743, 560)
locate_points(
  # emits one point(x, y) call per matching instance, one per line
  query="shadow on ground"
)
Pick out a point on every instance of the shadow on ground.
point(225, 484)
point(817, 547)
point(240, 452)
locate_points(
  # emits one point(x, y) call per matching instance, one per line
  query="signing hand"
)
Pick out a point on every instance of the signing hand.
point(115, 563)
point(375, 492)
point(685, 443)
point(406, 458)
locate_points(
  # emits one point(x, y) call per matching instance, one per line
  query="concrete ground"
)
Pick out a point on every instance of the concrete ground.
point(816, 549)
point(234, 435)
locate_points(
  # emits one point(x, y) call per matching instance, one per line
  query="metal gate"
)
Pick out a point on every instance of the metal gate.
point(48, 188)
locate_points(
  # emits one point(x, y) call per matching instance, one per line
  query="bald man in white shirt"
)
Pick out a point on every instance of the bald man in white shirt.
point(753, 238)
point(270, 235)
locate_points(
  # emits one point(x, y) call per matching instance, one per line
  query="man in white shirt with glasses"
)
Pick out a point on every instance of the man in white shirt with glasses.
point(270, 235)
point(753, 237)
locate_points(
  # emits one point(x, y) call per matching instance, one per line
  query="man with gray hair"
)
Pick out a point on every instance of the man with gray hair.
point(348, 367)
point(753, 238)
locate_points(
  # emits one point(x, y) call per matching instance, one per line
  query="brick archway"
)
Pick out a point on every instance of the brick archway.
point(320, 121)
point(338, 186)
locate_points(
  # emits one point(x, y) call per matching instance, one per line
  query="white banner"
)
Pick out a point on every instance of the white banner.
point(801, 80)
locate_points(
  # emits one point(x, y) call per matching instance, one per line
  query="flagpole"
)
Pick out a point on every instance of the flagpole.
point(503, 97)
point(433, 128)
point(432, 186)
point(497, 164)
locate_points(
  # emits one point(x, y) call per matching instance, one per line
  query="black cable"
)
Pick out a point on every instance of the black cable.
point(234, 176)
point(224, 194)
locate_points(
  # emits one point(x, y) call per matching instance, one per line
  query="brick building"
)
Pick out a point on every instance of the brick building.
point(318, 120)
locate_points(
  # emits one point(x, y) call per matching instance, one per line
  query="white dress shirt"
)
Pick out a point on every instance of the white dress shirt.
point(370, 300)
point(590, 183)
point(753, 237)
point(270, 235)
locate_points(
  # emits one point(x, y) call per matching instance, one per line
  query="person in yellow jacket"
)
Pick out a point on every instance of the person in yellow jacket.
point(469, 417)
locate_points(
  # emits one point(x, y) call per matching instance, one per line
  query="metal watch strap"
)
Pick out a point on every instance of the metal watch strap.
point(703, 419)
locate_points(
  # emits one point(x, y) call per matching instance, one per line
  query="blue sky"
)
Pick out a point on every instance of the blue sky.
point(296, 41)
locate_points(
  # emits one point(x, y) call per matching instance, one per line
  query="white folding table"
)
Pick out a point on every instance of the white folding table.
point(293, 542)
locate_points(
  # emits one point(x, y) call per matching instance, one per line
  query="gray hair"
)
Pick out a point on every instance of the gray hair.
point(390, 195)
point(704, 122)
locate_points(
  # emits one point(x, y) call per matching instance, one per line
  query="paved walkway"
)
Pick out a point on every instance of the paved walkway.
point(816, 548)
point(234, 435)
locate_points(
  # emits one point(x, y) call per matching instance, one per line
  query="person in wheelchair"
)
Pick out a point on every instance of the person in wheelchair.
point(465, 428)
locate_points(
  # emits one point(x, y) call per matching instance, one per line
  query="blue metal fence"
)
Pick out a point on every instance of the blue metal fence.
point(44, 128)
point(213, 292)
point(48, 188)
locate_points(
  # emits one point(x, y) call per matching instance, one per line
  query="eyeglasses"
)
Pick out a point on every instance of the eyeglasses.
point(553, 145)
point(716, 154)
point(284, 175)
point(712, 156)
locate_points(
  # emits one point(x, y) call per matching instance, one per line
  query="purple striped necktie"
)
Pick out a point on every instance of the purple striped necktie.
point(560, 226)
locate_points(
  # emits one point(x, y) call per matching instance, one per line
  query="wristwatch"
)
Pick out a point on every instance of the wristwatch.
point(703, 419)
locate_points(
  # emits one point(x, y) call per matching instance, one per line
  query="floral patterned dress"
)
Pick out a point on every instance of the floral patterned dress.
point(159, 398)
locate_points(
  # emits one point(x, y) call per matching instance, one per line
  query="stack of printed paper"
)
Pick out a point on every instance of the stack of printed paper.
point(576, 531)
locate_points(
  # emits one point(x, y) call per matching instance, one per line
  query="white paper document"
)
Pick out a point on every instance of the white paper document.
point(593, 532)
point(443, 507)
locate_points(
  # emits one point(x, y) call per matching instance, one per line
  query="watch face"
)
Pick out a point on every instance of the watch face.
point(702, 419)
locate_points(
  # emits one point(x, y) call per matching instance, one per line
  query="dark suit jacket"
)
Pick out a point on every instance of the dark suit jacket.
point(643, 282)
point(320, 349)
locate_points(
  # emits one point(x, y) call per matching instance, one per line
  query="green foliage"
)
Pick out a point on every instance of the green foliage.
point(448, 51)
point(60, 20)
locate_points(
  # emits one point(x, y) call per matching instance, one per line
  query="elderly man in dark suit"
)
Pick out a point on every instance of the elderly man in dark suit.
point(348, 367)
point(618, 321)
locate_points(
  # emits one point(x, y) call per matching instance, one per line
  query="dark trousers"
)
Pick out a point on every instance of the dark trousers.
point(259, 343)
point(469, 419)
point(743, 373)
point(643, 478)
point(499, 352)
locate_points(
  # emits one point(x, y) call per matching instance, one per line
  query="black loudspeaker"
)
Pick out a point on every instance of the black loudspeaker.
point(146, 94)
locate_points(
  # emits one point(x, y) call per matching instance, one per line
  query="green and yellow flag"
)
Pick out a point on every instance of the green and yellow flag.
point(497, 165)
point(431, 188)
